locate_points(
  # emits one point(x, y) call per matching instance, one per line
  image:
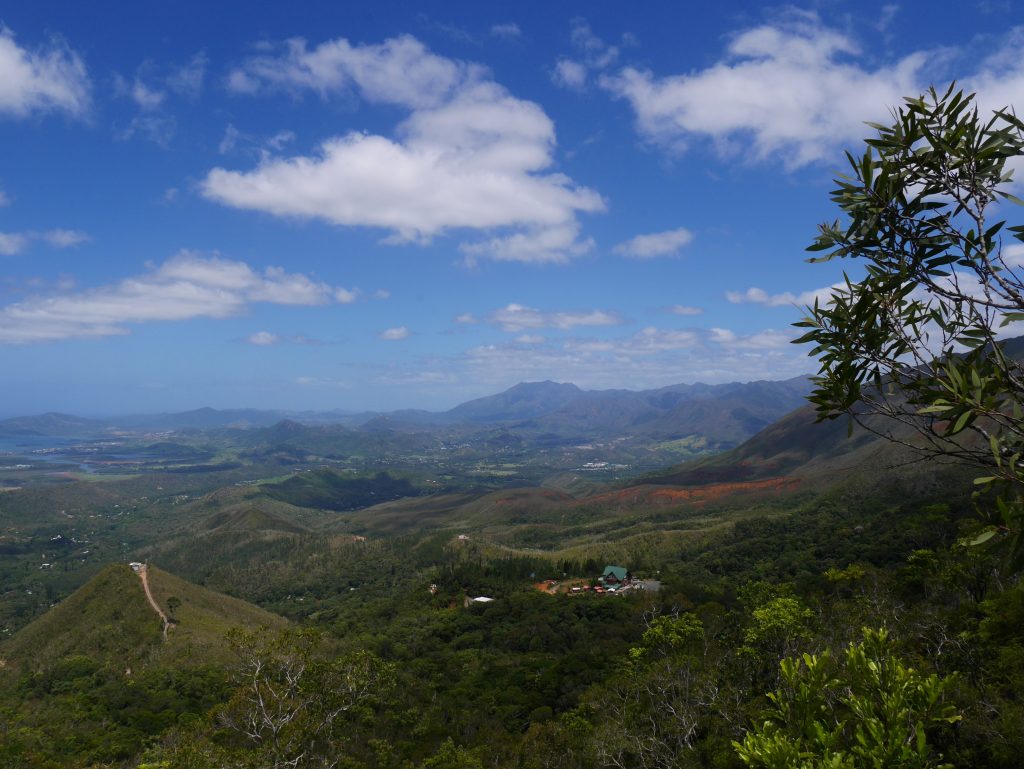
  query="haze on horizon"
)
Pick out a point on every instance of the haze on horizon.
point(325, 208)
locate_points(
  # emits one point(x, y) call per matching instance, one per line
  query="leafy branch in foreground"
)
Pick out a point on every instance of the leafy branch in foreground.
point(867, 709)
point(917, 339)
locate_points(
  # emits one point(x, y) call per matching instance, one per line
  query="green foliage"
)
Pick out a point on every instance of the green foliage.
point(777, 628)
point(670, 635)
point(329, 490)
point(452, 757)
point(916, 339)
point(869, 710)
point(294, 704)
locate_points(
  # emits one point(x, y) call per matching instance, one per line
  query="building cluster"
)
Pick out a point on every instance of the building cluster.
point(617, 580)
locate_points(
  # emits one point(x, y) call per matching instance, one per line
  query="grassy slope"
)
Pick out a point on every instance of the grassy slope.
point(109, 618)
point(203, 618)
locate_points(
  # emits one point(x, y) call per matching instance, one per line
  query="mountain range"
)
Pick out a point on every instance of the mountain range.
point(725, 414)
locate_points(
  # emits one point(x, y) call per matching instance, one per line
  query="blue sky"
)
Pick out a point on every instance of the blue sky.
point(354, 205)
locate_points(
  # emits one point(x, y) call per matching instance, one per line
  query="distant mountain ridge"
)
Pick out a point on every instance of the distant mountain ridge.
point(726, 413)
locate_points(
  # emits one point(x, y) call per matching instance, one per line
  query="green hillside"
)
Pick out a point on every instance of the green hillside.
point(109, 619)
point(248, 517)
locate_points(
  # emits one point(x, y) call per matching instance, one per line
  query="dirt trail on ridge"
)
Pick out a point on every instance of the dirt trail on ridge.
point(149, 597)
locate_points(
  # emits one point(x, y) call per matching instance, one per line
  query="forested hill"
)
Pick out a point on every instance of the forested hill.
point(110, 619)
point(728, 412)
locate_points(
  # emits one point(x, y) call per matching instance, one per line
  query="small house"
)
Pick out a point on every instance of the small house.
point(616, 575)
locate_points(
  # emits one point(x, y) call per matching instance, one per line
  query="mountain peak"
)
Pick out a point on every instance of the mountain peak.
point(526, 400)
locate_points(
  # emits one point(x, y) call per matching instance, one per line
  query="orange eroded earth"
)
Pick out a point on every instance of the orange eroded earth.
point(674, 495)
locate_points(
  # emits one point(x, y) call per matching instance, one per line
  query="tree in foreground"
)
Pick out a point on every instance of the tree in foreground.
point(867, 709)
point(916, 340)
point(295, 706)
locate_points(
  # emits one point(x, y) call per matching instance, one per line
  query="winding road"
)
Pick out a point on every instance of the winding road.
point(141, 571)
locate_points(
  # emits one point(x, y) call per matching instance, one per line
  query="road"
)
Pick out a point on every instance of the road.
point(149, 597)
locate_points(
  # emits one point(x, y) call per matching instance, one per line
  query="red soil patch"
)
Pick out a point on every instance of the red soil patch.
point(669, 495)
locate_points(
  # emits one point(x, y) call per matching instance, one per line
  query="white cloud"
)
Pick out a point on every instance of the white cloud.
point(652, 339)
point(151, 89)
point(398, 71)
point(654, 357)
point(555, 244)
point(655, 244)
point(4, 199)
point(229, 140)
point(234, 139)
point(187, 80)
point(47, 79)
point(417, 377)
point(395, 334)
point(530, 339)
point(791, 91)
point(469, 156)
point(1013, 255)
point(466, 317)
point(596, 52)
point(507, 31)
point(756, 295)
point(569, 74)
point(263, 338)
point(158, 128)
point(722, 336)
point(12, 243)
point(145, 97)
point(346, 296)
point(382, 294)
point(515, 318)
point(281, 138)
point(591, 54)
point(64, 238)
point(184, 287)
point(683, 309)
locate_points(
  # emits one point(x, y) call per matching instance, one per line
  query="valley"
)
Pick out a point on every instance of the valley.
point(376, 539)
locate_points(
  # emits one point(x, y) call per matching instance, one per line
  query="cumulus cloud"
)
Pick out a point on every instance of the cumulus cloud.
point(263, 338)
point(516, 317)
point(653, 356)
point(554, 244)
point(184, 287)
point(569, 74)
point(345, 295)
point(469, 156)
point(466, 317)
point(756, 295)
point(52, 78)
point(655, 244)
point(395, 334)
point(792, 90)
